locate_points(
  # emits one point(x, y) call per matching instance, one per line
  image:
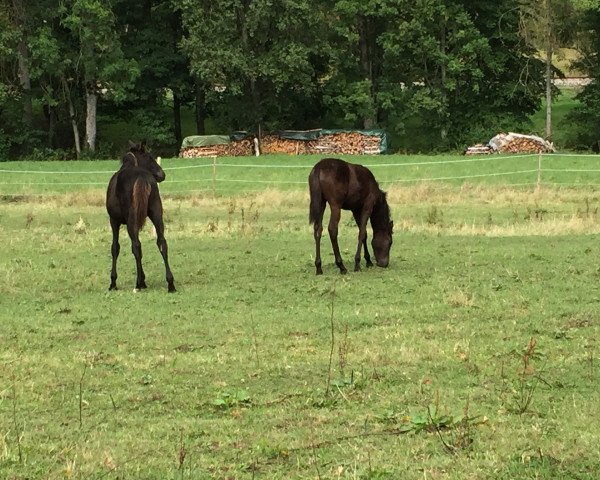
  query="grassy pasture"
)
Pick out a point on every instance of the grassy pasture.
point(473, 356)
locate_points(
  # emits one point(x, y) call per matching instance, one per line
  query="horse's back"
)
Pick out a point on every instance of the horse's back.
point(332, 175)
point(120, 191)
point(348, 185)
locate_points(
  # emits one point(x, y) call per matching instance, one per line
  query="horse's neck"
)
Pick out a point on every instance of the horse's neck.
point(378, 215)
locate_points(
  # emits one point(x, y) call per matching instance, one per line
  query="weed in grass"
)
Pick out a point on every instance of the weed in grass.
point(81, 401)
point(80, 227)
point(587, 212)
point(230, 211)
point(232, 399)
point(524, 385)
point(537, 213)
point(460, 299)
point(332, 338)
point(343, 349)
point(18, 431)
point(455, 432)
point(181, 456)
point(434, 216)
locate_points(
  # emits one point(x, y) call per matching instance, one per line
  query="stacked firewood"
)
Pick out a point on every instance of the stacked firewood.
point(233, 149)
point(349, 143)
point(518, 143)
point(277, 144)
point(512, 143)
point(479, 149)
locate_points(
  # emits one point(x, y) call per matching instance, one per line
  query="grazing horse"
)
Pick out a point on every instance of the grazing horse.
point(350, 187)
point(131, 197)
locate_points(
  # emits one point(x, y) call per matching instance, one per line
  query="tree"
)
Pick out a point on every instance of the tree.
point(102, 68)
point(547, 26)
point(151, 34)
point(261, 57)
point(586, 115)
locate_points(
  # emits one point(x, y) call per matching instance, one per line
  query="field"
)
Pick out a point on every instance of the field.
point(474, 355)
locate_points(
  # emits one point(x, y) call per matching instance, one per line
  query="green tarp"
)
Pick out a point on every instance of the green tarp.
point(204, 140)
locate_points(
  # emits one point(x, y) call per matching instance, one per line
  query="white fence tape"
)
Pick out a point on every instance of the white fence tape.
point(216, 179)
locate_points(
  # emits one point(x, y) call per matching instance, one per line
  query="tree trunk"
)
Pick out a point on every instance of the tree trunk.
point(549, 53)
point(91, 100)
point(50, 113)
point(444, 128)
point(549, 94)
point(23, 63)
point(177, 117)
point(200, 109)
point(366, 64)
point(254, 91)
point(72, 117)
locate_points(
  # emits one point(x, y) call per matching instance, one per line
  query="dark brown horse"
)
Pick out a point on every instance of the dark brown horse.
point(131, 197)
point(350, 187)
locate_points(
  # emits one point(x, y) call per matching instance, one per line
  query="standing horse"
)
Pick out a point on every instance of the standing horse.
point(350, 187)
point(131, 197)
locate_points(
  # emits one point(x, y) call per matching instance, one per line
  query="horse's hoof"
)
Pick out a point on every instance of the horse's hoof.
point(171, 289)
point(136, 290)
point(112, 287)
point(344, 271)
point(357, 268)
point(319, 271)
point(369, 264)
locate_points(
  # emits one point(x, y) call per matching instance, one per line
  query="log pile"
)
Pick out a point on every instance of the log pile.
point(233, 149)
point(518, 143)
point(277, 144)
point(479, 149)
point(349, 143)
point(512, 143)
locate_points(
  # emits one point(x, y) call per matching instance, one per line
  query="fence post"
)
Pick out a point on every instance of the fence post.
point(539, 171)
point(214, 176)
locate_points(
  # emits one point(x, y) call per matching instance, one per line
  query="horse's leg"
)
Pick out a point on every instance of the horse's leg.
point(114, 250)
point(136, 248)
point(336, 213)
point(155, 215)
point(361, 218)
point(318, 232)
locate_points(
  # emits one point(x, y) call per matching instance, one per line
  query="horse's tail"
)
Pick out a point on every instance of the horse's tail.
point(316, 196)
point(139, 202)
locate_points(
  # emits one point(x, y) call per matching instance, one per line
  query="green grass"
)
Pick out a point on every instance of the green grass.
point(228, 378)
point(289, 173)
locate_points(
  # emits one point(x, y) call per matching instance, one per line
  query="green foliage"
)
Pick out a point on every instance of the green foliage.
point(265, 58)
point(105, 69)
point(232, 399)
point(585, 117)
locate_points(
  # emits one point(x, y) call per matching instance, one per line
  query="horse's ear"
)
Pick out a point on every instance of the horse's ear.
point(392, 226)
point(143, 146)
point(131, 144)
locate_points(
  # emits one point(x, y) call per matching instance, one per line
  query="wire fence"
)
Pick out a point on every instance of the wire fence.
point(216, 176)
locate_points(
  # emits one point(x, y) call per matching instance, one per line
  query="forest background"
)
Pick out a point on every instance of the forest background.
point(80, 77)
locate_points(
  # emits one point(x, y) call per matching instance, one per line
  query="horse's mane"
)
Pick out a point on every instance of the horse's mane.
point(381, 210)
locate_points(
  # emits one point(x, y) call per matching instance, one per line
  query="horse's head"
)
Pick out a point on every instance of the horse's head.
point(383, 229)
point(139, 156)
point(381, 243)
